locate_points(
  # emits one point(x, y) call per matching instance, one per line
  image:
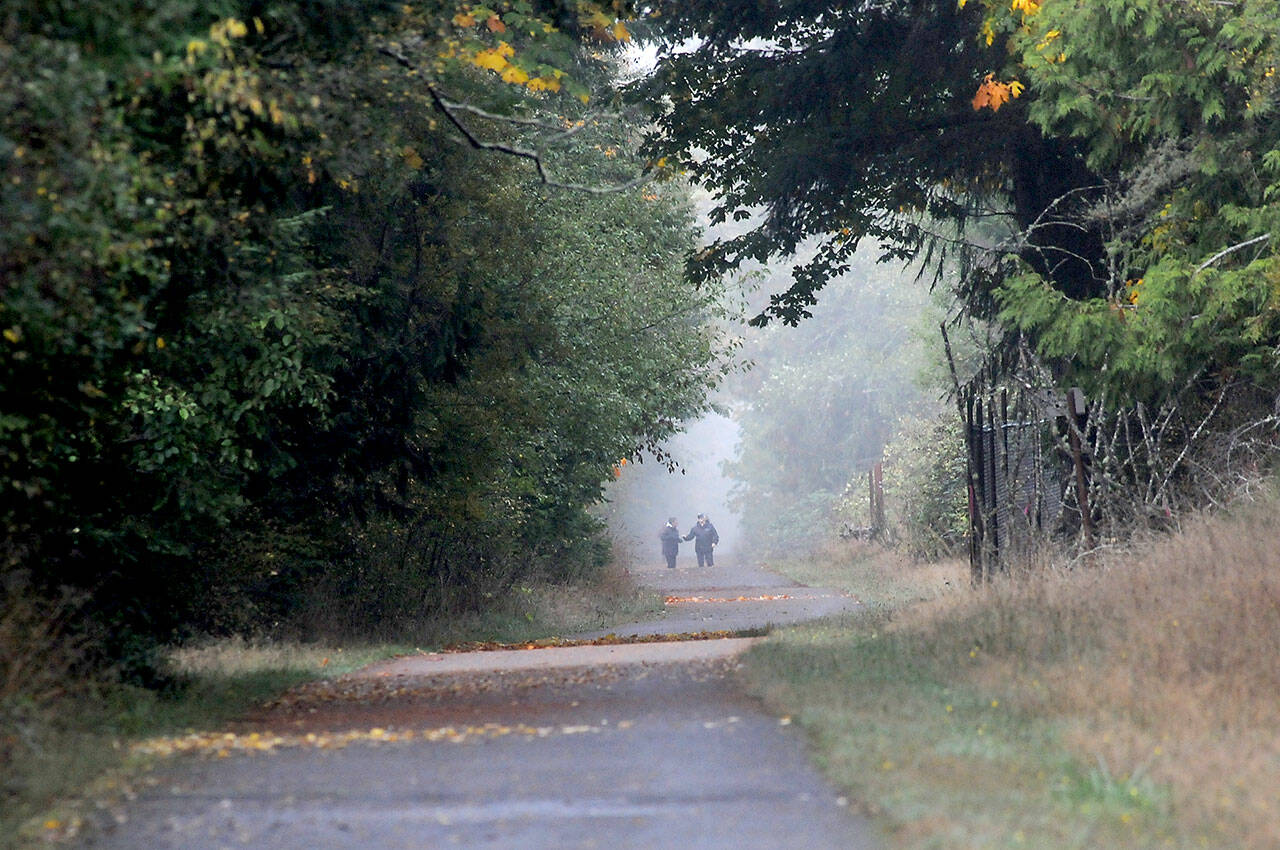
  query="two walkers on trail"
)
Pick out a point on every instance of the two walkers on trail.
point(703, 534)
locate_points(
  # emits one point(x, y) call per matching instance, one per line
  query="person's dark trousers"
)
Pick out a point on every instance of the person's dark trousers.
point(671, 562)
point(706, 556)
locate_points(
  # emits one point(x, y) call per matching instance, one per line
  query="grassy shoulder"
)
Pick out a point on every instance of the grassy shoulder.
point(1128, 703)
point(68, 744)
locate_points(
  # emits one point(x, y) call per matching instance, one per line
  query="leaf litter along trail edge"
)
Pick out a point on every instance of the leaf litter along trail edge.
point(676, 600)
point(611, 639)
point(222, 744)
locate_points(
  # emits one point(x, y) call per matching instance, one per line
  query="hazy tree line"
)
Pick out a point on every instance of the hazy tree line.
point(821, 403)
point(280, 348)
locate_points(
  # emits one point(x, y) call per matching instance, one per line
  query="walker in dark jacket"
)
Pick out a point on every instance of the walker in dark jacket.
point(670, 537)
point(705, 538)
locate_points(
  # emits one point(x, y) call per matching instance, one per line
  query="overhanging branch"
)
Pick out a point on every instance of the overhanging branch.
point(1239, 246)
point(451, 109)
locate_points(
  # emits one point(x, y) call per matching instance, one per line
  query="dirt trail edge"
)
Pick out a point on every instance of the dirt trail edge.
point(645, 745)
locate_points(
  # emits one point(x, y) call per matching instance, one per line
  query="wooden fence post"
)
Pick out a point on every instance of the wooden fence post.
point(1077, 413)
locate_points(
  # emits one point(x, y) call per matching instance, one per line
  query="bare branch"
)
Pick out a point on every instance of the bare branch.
point(450, 110)
point(1231, 250)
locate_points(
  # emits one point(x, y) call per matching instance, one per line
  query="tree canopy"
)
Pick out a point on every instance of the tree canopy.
point(844, 123)
point(1100, 174)
point(1106, 148)
point(285, 305)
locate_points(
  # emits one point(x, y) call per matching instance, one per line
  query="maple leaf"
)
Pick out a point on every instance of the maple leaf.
point(993, 94)
point(494, 59)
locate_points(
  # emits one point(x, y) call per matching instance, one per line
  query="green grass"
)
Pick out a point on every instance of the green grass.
point(905, 714)
point(941, 764)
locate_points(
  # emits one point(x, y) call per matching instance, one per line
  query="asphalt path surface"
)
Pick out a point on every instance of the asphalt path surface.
point(643, 745)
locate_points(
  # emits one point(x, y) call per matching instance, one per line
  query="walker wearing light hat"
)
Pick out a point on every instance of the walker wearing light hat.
point(670, 537)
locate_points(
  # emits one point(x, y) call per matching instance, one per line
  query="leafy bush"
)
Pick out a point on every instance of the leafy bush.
point(925, 495)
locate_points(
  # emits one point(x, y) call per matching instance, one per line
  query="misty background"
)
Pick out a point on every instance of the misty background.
point(780, 467)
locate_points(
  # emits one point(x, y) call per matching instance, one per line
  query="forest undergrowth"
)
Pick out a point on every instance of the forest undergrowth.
point(1127, 701)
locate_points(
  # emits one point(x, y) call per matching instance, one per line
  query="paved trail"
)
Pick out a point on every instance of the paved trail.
point(623, 746)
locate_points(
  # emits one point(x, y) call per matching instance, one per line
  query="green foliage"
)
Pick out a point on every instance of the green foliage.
point(925, 487)
point(1102, 173)
point(834, 124)
point(263, 314)
point(1176, 104)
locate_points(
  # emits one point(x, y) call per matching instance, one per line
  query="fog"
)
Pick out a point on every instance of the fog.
point(645, 494)
point(817, 409)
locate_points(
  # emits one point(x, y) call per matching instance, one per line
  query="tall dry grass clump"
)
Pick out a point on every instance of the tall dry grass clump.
point(41, 674)
point(1161, 662)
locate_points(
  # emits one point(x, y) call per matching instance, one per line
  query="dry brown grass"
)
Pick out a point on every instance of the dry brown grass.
point(1162, 661)
point(875, 575)
point(1130, 701)
point(237, 656)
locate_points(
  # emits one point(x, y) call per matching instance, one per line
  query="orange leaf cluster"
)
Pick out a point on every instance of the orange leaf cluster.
point(993, 94)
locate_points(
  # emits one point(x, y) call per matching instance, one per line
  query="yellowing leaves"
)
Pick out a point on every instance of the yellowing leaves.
point(595, 18)
point(515, 75)
point(544, 84)
point(1049, 38)
point(223, 31)
point(603, 26)
point(495, 58)
point(499, 55)
point(498, 60)
point(222, 745)
point(467, 19)
point(993, 94)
